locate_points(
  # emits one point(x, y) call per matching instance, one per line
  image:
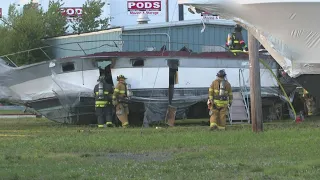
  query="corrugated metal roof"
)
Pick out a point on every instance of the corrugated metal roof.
point(148, 26)
point(178, 23)
point(114, 29)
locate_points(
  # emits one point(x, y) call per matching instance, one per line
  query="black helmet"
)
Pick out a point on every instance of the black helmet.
point(238, 28)
point(221, 73)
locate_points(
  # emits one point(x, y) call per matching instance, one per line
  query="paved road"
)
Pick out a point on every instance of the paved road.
point(16, 116)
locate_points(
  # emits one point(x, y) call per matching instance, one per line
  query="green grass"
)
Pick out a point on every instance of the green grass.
point(40, 149)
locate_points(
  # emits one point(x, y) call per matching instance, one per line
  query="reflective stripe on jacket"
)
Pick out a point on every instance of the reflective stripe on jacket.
point(214, 93)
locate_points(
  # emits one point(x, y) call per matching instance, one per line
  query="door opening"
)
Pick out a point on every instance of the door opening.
point(105, 70)
point(173, 77)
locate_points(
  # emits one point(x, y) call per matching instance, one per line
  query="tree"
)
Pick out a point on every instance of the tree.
point(26, 30)
point(5, 43)
point(55, 23)
point(13, 13)
point(27, 33)
point(6, 30)
point(89, 21)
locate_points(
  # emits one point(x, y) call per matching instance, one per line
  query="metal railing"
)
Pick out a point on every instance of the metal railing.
point(94, 46)
point(244, 90)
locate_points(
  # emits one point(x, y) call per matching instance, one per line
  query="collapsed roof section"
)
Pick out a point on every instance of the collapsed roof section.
point(287, 29)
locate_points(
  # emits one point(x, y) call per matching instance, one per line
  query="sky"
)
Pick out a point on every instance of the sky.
point(4, 4)
point(118, 13)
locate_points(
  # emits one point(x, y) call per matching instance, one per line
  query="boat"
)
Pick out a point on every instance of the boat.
point(288, 29)
point(62, 89)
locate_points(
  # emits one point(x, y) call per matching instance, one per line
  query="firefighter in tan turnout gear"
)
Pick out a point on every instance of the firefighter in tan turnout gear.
point(220, 97)
point(120, 100)
point(309, 102)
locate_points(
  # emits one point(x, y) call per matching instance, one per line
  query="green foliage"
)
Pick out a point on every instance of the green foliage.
point(89, 21)
point(55, 24)
point(25, 29)
point(27, 34)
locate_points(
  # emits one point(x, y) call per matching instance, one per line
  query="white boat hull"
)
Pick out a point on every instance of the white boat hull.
point(67, 96)
point(150, 78)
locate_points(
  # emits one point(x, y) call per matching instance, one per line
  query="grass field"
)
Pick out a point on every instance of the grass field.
point(41, 149)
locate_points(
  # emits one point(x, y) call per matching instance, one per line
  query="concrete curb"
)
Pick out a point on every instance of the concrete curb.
point(16, 116)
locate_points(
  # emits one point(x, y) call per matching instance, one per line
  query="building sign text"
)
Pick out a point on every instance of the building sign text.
point(149, 7)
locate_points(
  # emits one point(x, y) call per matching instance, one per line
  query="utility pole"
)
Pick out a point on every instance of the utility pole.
point(255, 84)
point(167, 11)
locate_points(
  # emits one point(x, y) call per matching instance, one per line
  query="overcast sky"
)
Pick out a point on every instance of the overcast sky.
point(4, 4)
point(118, 12)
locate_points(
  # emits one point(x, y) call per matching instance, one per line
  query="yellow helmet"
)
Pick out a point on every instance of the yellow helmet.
point(121, 77)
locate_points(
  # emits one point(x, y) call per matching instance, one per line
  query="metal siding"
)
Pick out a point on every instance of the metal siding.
point(195, 35)
point(191, 39)
point(188, 35)
point(66, 49)
point(132, 42)
point(207, 37)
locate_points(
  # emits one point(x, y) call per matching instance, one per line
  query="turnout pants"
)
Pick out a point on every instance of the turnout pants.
point(104, 115)
point(218, 117)
point(122, 112)
point(309, 101)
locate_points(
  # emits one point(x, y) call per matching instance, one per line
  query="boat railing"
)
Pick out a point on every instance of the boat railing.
point(52, 50)
point(244, 90)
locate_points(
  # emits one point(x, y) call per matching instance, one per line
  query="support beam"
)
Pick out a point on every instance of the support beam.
point(167, 10)
point(255, 84)
point(181, 13)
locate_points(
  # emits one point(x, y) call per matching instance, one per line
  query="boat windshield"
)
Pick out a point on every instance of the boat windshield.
point(104, 63)
point(4, 62)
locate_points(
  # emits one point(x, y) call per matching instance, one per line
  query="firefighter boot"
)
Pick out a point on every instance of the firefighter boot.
point(109, 118)
point(222, 122)
point(213, 126)
point(213, 119)
point(125, 125)
point(100, 120)
point(109, 124)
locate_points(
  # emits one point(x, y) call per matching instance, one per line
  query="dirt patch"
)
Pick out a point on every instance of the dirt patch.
point(141, 156)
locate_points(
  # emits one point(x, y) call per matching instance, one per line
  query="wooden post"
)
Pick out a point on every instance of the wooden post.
point(167, 10)
point(255, 84)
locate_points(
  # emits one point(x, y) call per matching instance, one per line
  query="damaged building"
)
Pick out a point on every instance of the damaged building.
point(185, 55)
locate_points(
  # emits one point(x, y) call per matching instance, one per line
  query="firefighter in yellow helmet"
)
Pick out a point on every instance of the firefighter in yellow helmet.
point(220, 97)
point(120, 100)
point(103, 97)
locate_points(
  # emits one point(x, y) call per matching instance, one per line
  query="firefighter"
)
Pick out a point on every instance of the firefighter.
point(120, 101)
point(235, 40)
point(103, 97)
point(309, 102)
point(220, 97)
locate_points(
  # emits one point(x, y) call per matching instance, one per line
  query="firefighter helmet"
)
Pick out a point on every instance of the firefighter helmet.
point(221, 73)
point(120, 77)
point(238, 28)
